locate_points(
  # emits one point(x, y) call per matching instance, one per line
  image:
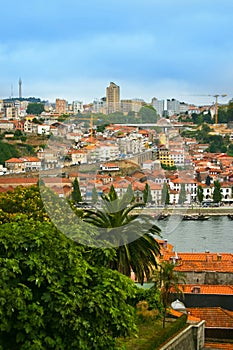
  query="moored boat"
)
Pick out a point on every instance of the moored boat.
point(162, 217)
point(200, 217)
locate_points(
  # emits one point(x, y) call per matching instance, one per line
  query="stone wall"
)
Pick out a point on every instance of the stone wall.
point(209, 277)
point(191, 338)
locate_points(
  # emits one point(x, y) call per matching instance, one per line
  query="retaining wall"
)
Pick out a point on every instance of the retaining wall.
point(191, 338)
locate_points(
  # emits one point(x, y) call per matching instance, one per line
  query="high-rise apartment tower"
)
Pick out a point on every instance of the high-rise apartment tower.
point(113, 98)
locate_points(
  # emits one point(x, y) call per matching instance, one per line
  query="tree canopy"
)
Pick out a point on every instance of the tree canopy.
point(35, 108)
point(7, 151)
point(51, 298)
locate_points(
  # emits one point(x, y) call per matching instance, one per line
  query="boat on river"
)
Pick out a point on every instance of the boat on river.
point(162, 216)
point(200, 217)
point(230, 216)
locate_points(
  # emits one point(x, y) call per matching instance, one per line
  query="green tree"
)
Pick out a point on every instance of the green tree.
point(148, 114)
point(76, 193)
point(94, 196)
point(165, 194)
point(122, 228)
point(35, 108)
point(169, 283)
point(23, 200)
point(208, 180)
point(230, 112)
point(230, 150)
point(130, 194)
point(7, 151)
point(200, 194)
point(18, 133)
point(147, 196)
point(217, 194)
point(51, 298)
point(182, 194)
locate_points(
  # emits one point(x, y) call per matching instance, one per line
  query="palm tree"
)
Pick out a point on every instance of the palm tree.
point(131, 234)
point(169, 283)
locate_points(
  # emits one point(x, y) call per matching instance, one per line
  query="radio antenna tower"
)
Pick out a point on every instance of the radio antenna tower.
point(12, 94)
point(20, 88)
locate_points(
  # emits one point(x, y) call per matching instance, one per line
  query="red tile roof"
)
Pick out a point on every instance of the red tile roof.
point(208, 289)
point(214, 345)
point(14, 160)
point(220, 262)
point(215, 317)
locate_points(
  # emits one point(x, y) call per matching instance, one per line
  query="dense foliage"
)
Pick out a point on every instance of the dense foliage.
point(23, 200)
point(7, 151)
point(35, 108)
point(51, 298)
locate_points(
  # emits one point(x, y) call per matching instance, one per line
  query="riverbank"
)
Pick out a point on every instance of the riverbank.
point(217, 211)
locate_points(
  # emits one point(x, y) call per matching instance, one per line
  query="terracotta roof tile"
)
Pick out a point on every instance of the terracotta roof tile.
point(215, 317)
point(14, 160)
point(214, 345)
point(208, 289)
point(221, 262)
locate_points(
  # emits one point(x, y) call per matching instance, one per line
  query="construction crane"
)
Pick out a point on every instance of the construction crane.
point(216, 103)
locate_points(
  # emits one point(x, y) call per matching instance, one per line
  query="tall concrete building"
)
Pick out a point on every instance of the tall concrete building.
point(77, 106)
point(99, 105)
point(158, 106)
point(113, 98)
point(173, 107)
point(61, 106)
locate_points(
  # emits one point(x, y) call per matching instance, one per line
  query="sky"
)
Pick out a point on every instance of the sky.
point(152, 48)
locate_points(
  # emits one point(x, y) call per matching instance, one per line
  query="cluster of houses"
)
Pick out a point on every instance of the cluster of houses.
point(126, 156)
point(216, 166)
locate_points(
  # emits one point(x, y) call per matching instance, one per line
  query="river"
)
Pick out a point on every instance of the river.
point(214, 235)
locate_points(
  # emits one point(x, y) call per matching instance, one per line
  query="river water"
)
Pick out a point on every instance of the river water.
point(214, 235)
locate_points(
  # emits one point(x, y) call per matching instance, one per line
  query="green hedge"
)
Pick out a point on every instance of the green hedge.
point(167, 333)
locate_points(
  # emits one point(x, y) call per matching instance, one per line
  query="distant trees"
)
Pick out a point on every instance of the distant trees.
point(148, 114)
point(208, 180)
point(35, 108)
point(165, 194)
point(147, 196)
point(76, 193)
point(217, 194)
point(94, 196)
point(7, 151)
point(200, 194)
point(182, 194)
point(230, 150)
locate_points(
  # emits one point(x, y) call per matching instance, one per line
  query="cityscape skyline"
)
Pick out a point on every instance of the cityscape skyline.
point(72, 50)
point(157, 103)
